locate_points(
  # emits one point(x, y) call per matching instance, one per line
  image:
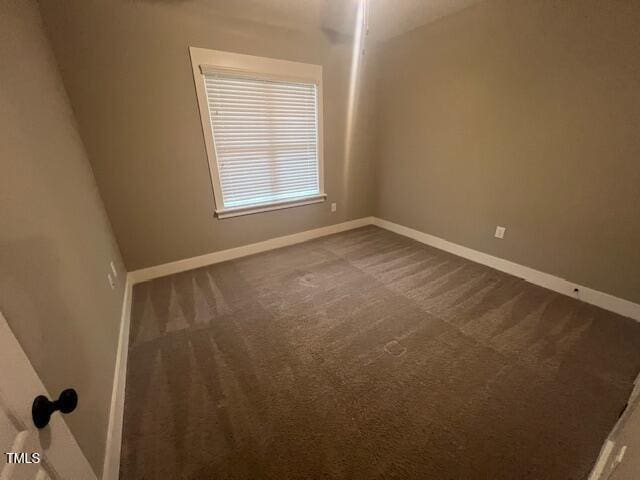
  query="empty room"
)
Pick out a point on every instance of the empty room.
point(320, 239)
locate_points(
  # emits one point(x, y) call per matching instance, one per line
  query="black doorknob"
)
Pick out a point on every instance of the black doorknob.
point(42, 407)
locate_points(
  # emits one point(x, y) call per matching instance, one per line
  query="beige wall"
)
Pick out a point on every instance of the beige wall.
point(126, 67)
point(524, 114)
point(55, 239)
point(516, 113)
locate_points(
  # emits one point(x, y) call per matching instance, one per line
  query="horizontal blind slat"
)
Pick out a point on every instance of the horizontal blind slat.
point(271, 103)
point(268, 183)
point(265, 134)
point(266, 152)
point(223, 79)
point(249, 116)
point(255, 91)
point(265, 191)
point(257, 165)
point(240, 86)
point(268, 200)
point(262, 95)
point(239, 145)
point(257, 157)
point(271, 142)
point(267, 161)
point(273, 128)
point(255, 111)
point(265, 177)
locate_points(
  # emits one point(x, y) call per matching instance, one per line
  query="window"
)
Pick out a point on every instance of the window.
point(262, 123)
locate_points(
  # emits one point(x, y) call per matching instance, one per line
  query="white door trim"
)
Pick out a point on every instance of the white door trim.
point(111, 468)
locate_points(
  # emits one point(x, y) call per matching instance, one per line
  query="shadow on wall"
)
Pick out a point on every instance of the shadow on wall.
point(33, 302)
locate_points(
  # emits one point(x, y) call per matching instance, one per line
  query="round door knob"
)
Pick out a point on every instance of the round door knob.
point(42, 407)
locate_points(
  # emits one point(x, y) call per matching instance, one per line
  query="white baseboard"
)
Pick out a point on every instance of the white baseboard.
point(598, 470)
point(150, 273)
point(546, 280)
point(603, 458)
point(557, 284)
point(111, 468)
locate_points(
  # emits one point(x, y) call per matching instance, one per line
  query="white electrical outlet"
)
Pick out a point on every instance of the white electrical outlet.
point(112, 283)
point(113, 269)
point(334, 207)
point(500, 232)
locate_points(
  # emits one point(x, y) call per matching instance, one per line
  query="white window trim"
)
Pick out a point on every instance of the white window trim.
point(205, 60)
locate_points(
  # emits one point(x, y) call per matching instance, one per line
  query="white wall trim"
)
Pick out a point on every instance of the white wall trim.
point(111, 468)
point(546, 280)
point(150, 273)
point(612, 440)
point(603, 458)
point(114, 436)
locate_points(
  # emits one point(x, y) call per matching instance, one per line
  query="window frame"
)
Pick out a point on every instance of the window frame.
point(204, 60)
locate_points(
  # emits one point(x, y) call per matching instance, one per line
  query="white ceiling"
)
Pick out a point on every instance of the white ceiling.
point(387, 18)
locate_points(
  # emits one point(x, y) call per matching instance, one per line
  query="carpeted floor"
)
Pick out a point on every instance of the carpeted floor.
point(366, 355)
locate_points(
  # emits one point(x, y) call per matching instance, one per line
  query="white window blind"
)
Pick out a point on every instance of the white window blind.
point(265, 135)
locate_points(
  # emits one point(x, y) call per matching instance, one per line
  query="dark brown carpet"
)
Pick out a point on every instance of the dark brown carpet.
point(366, 355)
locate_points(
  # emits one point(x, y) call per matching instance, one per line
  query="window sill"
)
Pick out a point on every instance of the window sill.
point(249, 210)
